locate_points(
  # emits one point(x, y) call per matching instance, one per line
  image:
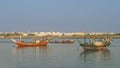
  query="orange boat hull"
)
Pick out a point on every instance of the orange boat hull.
point(22, 44)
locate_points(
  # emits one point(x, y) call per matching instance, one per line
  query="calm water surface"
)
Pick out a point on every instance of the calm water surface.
point(58, 56)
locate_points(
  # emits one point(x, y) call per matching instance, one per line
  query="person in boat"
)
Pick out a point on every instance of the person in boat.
point(37, 41)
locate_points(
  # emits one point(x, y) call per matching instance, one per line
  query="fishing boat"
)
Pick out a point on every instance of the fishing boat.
point(36, 43)
point(96, 43)
point(63, 41)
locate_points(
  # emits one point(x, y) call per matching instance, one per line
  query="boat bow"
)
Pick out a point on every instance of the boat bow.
point(13, 40)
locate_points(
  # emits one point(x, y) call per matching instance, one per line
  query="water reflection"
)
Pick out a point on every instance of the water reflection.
point(32, 50)
point(26, 55)
point(95, 56)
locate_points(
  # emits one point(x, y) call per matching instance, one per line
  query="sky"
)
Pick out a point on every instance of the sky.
point(60, 15)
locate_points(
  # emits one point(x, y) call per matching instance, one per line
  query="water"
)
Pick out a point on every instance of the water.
point(58, 56)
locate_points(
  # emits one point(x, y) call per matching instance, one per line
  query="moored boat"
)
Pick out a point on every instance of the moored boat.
point(96, 44)
point(36, 43)
point(63, 41)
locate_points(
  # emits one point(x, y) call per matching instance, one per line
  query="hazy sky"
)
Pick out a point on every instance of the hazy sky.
point(60, 15)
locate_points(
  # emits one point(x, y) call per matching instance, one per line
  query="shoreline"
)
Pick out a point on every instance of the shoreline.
point(64, 37)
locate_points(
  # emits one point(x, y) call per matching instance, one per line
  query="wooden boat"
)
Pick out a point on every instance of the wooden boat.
point(63, 41)
point(36, 43)
point(92, 44)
